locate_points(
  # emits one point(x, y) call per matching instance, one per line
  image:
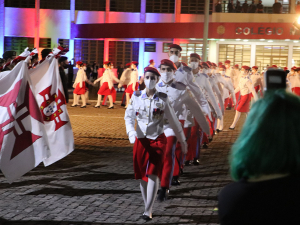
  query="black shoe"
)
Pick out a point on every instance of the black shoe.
point(84, 106)
point(181, 171)
point(122, 104)
point(97, 106)
point(145, 217)
point(231, 128)
point(110, 107)
point(187, 163)
point(196, 162)
point(228, 108)
point(210, 140)
point(73, 105)
point(215, 132)
point(175, 181)
point(205, 146)
point(218, 131)
point(114, 103)
point(162, 196)
point(88, 103)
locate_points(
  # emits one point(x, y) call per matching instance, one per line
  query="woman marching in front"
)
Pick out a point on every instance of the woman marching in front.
point(134, 82)
point(79, 86)
point(153, 113)
point(245, 87)
point(107, 86)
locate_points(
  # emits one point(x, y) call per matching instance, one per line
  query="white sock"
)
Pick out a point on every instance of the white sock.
point(152, 188)
point(143, 187)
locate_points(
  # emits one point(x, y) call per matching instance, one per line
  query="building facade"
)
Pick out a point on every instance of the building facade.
point(139, 30)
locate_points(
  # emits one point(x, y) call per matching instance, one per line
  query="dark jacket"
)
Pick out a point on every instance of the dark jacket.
point(64, 82)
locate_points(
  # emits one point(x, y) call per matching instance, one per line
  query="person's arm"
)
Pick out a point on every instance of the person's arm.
point(251, 88)
point(112, 75)
point(219, 95)
point(130, 121)
point(99, 79)
point(212, 98)
point(261, 86)
point(196, 111)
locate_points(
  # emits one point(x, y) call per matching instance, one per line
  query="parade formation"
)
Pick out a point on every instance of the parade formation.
point(179, 111)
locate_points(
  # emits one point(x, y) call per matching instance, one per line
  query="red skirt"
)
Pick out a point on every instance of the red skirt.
point(296, 90)
point(129, 88)
point(148, 157)
point(257, 88)
point(104, 89)
point(78, 90)
point(243, 104)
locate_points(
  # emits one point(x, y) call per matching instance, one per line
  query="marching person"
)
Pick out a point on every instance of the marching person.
point(225, 86)
point(152, 110)
point(294, 79)
point(237, 74)
point(124, 81)
point(257, 81)
point(230, 73)
point(245, 88)
point(178, 97)
point(133, 85)
point(79, 86)
point(151, 63)
point(107, 86)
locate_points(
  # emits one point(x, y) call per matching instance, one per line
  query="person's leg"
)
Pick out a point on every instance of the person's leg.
point(111, 103)
point(83, 100)
point(99, 100)
point(143, 187)
point(127, 99)
point(87, 97)
point(236, 119)
point(152, 187)
point(74, 99)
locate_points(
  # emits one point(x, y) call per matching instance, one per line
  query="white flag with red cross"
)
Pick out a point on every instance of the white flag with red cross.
point(23, 140)
point(50, 96)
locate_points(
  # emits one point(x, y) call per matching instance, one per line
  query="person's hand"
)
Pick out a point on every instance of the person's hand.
point(133, 89)
point(184, 147)
point(120, 85)
point(95, 81)
point(132, 136)
point(74, 85)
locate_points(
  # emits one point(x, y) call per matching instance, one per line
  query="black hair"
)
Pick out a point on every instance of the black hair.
point(45, 52)
point(62, 59)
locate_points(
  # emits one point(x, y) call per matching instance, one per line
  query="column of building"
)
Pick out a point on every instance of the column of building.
point(142, 40)
point(37, 25)
point(71, 40)
point(2, 26)
point(106, 40)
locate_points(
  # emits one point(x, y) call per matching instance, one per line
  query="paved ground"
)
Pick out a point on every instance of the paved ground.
point(95, 184)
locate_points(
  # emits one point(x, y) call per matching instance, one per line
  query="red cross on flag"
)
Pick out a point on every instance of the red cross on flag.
point(23, 142)
point(49, 94)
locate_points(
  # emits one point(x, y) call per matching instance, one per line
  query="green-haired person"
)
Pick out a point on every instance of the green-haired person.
point(265, 165)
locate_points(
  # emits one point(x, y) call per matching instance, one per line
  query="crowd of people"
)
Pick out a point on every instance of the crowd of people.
point(247, 8)
point(178, 111)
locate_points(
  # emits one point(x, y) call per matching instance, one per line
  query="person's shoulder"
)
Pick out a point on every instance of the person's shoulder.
point(162, 96)
point(178, 86)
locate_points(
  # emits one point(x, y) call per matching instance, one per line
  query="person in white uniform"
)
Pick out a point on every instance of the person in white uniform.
point(154, 114)
point(178, 97)
point(133, 85)
point(257, 80)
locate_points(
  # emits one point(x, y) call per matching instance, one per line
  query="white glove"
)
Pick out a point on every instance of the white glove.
point(132, 136)
point(56, 51)
point(184, 147)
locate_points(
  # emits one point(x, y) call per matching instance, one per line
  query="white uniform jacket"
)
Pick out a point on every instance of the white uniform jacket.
point(125, 77)
point(214, 85)
point(108, 76)
point(230, 73)
point(246, 87)
point(80, 77)
point(184, 75)
point(202, 80)
point(151, 114)
point(257, 80)
point(179, 98)
point(236, 77)
point(226, 85)
point(134, 77)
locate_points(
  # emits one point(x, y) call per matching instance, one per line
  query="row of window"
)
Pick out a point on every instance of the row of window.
point(152, 6)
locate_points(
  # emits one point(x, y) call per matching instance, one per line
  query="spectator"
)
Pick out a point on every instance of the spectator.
point(238, 7)
point(218, 7)
point(277, 7)
point(260, 7)
point(45, 52)
point(9, 56)
point(64, 64)
point(252, 8)
point(230, 7)
point(245, 7)
point(298, 8)
point(2, 62)
point(88, 71)
point(265, 164)
point(95, 68)
point(120, 70)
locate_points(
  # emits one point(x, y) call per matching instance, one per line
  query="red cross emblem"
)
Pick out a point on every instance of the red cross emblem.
point(51, 107)
point(16, 113)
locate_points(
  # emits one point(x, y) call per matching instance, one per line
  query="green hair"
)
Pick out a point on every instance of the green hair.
point(270, 139)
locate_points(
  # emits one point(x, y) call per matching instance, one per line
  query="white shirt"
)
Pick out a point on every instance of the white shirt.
point(256, 80)
point(125, 77)
point(179, 98)
point(184, 75)
point(202, 81)
point(108, 76)
point(230, 73)
point(216, 90)
point(246, 87)
point(236, 77)
point(151, 114)
point(80, 77)
point(226, 86)
point(134, 77)
point(294, 79)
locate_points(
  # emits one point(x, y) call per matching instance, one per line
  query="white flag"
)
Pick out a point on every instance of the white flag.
point(23, 142)
point(49, 94)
